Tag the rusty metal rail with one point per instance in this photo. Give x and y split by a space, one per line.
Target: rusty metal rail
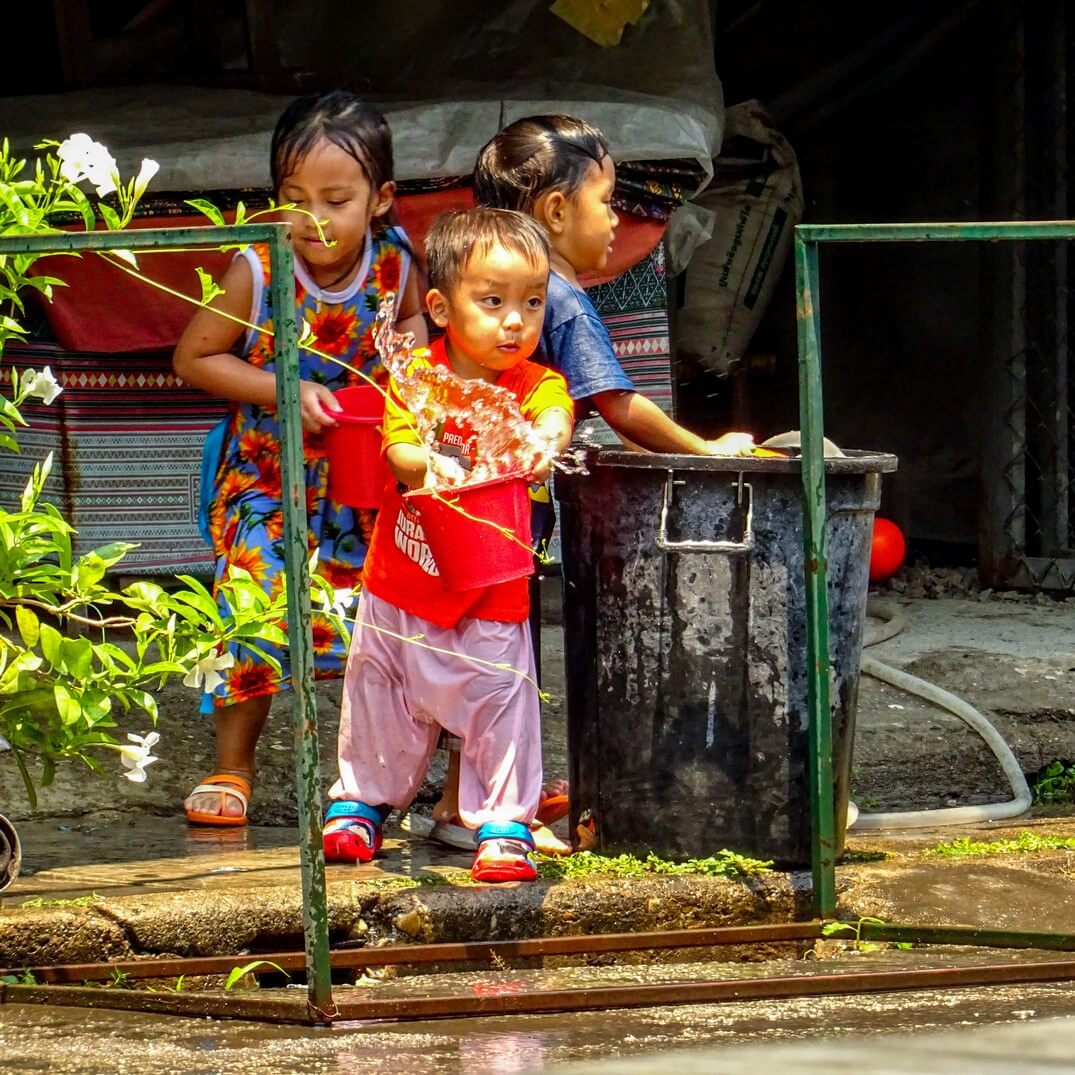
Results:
541 947
413 954
297 1011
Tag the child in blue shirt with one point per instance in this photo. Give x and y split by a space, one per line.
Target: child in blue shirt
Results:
559 171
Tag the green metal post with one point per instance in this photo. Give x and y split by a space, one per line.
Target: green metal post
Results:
296 565
300 642
823 844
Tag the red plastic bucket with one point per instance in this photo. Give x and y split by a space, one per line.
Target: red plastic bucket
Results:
356 472
472 553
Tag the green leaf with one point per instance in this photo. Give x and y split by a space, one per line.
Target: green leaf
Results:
51 644
67 706
146 701
19 212
91 566
113 656
29 626
147 595
78 658
208 209
238 973
25 661
96 705
200 601
84 207
210 289
110 216
45 283
161 668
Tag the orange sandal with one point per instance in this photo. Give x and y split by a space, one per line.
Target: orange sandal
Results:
552 808
226 785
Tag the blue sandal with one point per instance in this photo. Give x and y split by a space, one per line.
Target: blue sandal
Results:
505 852
352 832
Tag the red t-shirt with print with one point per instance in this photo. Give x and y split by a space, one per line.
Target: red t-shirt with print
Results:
400 567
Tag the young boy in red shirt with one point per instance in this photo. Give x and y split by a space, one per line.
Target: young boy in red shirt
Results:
473 672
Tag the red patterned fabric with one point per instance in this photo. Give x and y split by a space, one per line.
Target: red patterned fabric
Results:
105 310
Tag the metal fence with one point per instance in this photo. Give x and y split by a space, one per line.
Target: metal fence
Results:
1029 433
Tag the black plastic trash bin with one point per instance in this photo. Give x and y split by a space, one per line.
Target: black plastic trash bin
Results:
685 648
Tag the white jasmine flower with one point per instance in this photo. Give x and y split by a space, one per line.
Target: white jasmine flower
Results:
340 601
148 170
138 755
43 385
206 674
83 158
4 744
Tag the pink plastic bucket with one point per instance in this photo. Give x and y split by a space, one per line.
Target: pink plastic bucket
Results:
471 553
356 472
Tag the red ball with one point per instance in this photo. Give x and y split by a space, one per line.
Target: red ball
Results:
887 550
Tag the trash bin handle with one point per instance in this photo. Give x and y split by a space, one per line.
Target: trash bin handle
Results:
732 548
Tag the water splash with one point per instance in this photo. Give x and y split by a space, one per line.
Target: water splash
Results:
504 441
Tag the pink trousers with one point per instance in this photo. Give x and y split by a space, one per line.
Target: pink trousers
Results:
398 695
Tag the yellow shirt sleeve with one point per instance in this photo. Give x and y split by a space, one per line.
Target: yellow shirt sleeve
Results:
550 391
399 426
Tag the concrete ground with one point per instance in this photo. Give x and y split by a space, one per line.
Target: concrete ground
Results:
113 872
111 869
1000 1031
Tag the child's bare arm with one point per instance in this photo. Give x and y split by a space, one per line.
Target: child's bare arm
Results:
409 463
205 355
410 311
557 424
640 421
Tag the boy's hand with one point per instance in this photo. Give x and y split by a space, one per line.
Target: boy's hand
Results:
442 470
542 468
731 444
317 405
552 435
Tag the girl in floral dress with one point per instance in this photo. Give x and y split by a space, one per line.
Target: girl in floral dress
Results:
331 159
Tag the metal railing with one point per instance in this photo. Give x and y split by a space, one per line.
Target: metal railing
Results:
808 239
296 566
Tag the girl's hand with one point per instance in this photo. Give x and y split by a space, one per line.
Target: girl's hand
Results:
317 405
731 444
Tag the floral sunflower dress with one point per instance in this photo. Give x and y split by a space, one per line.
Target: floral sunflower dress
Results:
246 519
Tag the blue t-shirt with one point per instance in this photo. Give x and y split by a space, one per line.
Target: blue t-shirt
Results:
575 341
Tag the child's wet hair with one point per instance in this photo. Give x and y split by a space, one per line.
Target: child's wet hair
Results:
345 120
533 156
456 237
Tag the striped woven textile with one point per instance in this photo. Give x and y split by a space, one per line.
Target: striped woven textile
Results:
126 435
634 309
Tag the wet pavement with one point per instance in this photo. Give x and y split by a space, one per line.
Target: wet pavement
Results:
115 854
116 883
873 1031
